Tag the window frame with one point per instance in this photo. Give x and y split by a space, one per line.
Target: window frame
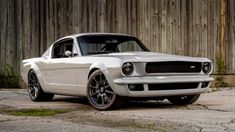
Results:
61 41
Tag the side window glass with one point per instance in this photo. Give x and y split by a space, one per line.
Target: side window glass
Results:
63 49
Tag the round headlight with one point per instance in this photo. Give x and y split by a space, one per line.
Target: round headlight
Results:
206 68
127 68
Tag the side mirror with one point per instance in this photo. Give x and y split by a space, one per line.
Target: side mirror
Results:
68 53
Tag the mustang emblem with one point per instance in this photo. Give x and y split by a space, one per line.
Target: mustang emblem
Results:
192 67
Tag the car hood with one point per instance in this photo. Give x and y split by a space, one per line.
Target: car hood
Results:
150 57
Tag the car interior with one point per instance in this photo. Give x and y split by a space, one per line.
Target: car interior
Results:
61 47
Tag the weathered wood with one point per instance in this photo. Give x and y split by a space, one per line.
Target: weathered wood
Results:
222 29
184 27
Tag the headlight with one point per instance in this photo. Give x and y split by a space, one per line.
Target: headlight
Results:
206 68
127 68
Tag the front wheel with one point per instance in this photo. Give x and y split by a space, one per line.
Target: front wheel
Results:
99 93
183 100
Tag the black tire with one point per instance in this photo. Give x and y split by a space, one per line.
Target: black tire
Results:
35 91
99 93
183 100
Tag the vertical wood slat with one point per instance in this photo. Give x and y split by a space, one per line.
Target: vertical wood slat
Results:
2 30
230 36
204 28
169 25
232 32
185 27
210 29
164 26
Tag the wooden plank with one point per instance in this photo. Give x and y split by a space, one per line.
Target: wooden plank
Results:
134 18
164 25
17 57
158 18
216 31
174 25
177 41
204 28
147 25
183 28
102 15
210 29
229 42
190 30
197 28
169 24
232 33
2 17
216 26
153 24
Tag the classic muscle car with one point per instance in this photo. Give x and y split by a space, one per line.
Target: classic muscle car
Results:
106 67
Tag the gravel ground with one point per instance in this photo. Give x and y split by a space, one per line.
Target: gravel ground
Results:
213 111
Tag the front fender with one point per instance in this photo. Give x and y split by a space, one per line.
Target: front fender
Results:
110 73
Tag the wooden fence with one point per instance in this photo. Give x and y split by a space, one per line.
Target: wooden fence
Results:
184 27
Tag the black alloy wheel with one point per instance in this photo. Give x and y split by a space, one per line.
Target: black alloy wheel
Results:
99 93
35 91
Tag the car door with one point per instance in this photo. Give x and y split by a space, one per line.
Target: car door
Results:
60 73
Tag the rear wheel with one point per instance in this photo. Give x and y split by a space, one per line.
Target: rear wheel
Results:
35 91
99 93
183 100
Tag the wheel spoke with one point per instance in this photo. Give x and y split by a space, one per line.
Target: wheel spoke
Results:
30 85
96 81
30 79
107 86
105 82
97 97
96 92
108 91
32 92
107 98
101 80
102 100
94 87
30 89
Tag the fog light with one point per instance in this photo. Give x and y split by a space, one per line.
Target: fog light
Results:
205 84
136 87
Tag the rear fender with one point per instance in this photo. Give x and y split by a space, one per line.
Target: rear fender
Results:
27 67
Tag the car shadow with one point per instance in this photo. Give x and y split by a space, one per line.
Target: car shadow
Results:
127 105
148 105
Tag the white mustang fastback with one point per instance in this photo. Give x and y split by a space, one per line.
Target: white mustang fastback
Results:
107 67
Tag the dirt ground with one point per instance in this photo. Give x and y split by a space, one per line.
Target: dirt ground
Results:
213 112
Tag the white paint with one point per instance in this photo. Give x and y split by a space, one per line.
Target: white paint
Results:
69 75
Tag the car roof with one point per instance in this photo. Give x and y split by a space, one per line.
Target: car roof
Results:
90 34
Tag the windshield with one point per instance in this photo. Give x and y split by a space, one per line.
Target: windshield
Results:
104 44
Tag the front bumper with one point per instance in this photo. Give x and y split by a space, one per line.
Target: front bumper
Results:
121 85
